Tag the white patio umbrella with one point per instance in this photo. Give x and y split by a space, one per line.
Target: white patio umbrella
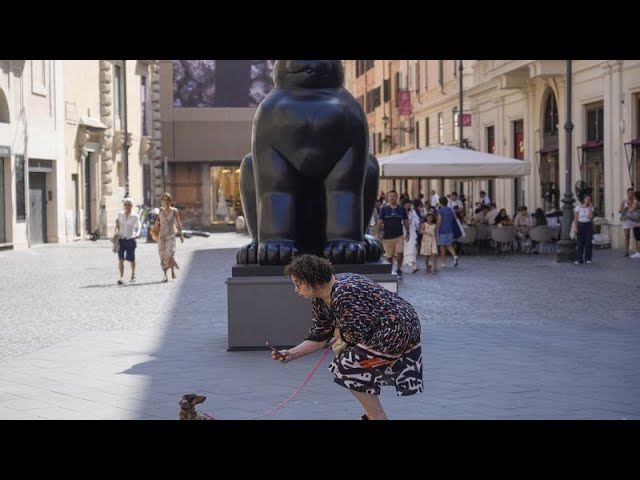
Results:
451 162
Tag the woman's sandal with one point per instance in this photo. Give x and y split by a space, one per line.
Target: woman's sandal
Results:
164 280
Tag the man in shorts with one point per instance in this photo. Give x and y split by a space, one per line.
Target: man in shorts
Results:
390 221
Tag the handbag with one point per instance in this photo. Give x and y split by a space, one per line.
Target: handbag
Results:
633 216
115 240
155 230
457 228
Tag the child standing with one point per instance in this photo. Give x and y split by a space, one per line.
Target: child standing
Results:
429 245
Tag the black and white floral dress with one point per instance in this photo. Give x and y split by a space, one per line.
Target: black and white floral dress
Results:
382 333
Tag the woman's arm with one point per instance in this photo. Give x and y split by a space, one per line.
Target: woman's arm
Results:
307 347
179 223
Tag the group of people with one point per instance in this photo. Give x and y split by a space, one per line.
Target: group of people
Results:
127 231
409 229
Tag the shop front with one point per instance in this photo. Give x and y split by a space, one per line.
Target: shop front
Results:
226 205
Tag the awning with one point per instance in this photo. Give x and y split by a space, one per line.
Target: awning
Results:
451 162
92 122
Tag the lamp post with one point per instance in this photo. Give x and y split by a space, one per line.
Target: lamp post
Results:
460 114
460 125
566 246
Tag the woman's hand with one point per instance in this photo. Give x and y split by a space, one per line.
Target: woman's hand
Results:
283 356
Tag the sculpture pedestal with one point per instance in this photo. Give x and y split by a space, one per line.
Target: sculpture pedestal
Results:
263 306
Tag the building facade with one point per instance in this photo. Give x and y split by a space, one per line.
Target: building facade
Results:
517 109
75 137
112 141
31 153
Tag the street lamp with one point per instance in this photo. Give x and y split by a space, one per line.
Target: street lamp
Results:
566 246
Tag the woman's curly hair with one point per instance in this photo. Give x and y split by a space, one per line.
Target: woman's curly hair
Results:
312 270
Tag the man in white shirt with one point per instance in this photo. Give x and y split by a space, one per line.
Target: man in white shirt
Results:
128 229
454 202
435 199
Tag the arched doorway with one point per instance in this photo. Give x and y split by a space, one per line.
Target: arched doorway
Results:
4 108
548 165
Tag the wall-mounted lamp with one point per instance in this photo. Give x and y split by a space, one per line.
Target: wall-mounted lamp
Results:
385 121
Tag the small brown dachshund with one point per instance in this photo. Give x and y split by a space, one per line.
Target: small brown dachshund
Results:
188 410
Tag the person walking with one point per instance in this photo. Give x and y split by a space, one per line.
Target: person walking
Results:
445 233
391 219
411 245
128 230
169 219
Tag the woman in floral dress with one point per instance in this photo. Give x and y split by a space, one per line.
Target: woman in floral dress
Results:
169 219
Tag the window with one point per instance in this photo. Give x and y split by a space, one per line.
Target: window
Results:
440 128
426 131
386 90
551 116
379 142
363 66
401 134
21 212
373 99
441 73
361 101
117 95
417 130
456 124
412 78
144 112
417 75
39 77
426 74
491 139
455 69
593 156
595 123
518 139
412 130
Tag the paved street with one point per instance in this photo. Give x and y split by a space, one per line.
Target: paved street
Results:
504 337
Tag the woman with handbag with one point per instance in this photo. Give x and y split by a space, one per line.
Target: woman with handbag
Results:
376 332
168 219
627 224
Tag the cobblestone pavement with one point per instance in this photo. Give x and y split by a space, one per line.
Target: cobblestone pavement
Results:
504 337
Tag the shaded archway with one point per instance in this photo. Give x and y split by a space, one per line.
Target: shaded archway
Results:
4 108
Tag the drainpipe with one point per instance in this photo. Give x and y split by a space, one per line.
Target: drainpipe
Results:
125 151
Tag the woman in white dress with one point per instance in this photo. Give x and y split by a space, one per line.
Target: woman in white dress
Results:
411 245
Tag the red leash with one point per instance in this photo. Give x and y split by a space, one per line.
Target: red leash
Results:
294 394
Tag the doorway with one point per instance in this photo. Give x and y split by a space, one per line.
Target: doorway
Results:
88 194
75 203
3 230
37 208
